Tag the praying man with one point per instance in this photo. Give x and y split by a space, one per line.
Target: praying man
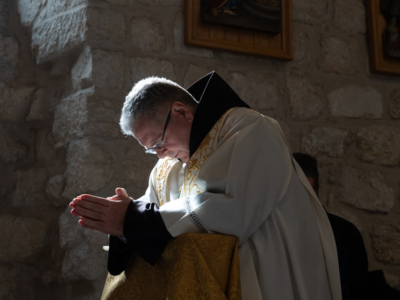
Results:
223 168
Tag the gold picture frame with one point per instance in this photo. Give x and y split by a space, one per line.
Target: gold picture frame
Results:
376 26
200 34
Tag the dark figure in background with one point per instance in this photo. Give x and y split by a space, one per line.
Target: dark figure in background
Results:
353 261
356 281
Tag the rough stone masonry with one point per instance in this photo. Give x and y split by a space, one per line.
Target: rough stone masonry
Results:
65 68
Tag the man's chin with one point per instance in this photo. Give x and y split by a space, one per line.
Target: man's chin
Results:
174 155
184 160
183 157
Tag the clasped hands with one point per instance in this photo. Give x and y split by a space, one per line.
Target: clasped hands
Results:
106 215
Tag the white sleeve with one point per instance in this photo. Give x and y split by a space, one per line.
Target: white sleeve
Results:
151 192
246 177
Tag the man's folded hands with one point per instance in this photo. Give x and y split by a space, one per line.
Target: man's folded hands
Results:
106 215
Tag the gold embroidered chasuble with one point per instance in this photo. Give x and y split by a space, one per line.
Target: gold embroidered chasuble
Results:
193 265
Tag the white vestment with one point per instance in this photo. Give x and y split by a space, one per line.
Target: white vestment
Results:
243 181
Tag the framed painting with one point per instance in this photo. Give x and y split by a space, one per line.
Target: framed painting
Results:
259 27
384 35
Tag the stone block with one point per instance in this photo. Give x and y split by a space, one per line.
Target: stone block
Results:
8 286
105 25
354 101
9 50
67 32
392 279
21 238
305 102
70 232
339 56
37 110
86 114
61 6
86 260
61 67
177 3
147 34
385 242
8 273
365 190
379 145
113 62
194 73
14 102
85 263
330 200
233 58
90 68
308 12
119 2
30 189
300 45
59 35
350 16
11 151
143 67
4 11
81 72
45 147
331 176
181 48
92 290
8 290
394 104
137 166
54 188
29 10
257 89
327 141
89 168
49 277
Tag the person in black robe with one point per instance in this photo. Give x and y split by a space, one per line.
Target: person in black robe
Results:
353 261
356 281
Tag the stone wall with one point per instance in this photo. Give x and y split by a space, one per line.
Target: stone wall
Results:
65 67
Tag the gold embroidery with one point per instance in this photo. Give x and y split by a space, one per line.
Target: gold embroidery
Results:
192 266
190 186
161 178
206 148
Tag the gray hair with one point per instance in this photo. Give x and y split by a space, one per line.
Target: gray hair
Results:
152 97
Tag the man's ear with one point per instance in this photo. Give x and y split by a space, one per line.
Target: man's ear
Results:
182 110
311 181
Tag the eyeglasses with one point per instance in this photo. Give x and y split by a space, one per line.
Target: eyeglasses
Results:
161 143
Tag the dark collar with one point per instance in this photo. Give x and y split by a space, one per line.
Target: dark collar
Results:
215 97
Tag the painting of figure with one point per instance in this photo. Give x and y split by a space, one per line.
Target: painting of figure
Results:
227 6
264 15
391 37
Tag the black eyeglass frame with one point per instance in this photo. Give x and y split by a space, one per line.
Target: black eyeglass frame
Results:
161 143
